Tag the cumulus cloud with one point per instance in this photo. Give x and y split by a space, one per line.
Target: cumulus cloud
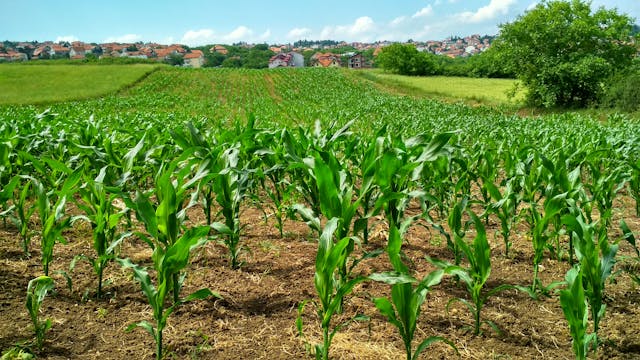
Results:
488 12
298 33
128 38
398 21
361 30
425 11
66 38
210 36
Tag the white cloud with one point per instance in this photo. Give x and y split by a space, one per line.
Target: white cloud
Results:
298 33
532 6
265 35
66 38
128 38
210 36
487 12
196 36
361 30
398 21
425 11
241 33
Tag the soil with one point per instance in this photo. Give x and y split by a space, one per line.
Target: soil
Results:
256 317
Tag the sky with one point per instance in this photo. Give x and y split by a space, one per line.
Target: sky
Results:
202 22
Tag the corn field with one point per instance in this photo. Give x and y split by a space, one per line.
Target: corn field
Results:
300 214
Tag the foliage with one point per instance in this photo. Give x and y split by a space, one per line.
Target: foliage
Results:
562 51
330 292
623 90
576 312
476 275
168 263
596 258
51 210
403 310
174 60
98 204
36 292
406 60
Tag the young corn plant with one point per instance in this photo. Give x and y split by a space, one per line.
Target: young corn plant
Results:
506 209
576 312
457 228
169 263
337 199
603 188
51 210
36 292
22 209
104 217
402 310
164 220
596 257
399 167
232 184
330 291
272 175
540 235
476 275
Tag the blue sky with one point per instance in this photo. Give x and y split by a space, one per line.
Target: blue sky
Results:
200 22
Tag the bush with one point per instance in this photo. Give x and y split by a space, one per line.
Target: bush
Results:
623 91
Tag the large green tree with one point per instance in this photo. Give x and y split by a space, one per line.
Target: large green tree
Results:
562 51
405 59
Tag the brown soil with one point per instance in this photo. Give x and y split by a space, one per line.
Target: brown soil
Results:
256 317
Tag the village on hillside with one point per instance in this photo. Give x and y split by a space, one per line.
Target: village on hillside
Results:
299 54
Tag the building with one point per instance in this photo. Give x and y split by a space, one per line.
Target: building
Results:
291 59
194 59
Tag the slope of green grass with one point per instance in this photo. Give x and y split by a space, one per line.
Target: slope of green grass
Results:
472 90
41 84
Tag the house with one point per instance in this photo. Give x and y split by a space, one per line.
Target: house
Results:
219 49
357 61
77 52
11 55
41 52
59 51
292 59
194 59
325 60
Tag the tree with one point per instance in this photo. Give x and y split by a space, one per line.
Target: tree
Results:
562 51
175 60
406 60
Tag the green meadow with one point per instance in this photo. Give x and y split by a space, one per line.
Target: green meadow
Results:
41 84
472 90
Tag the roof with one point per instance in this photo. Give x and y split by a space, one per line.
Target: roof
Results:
194 54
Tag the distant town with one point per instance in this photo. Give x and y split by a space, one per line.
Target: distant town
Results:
324 53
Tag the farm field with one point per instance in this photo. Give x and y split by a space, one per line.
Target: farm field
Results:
472 90
238 179
54 83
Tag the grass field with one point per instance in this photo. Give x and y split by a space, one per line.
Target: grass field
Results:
40 84
472 90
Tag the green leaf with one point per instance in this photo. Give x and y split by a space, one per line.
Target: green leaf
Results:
392 277
142 324
430 340
200 295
